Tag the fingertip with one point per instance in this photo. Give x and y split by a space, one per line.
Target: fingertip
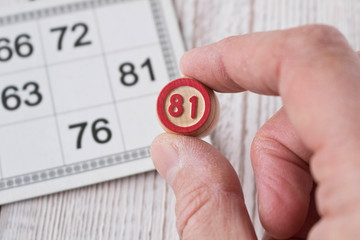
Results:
170 152
182 63
165 156
206 64
175 155
189 63
161 138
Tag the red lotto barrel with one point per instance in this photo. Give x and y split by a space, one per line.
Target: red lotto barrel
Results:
187 107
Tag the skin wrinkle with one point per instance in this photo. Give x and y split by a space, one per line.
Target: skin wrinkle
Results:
193 156
269 210
225 81
231 208
280 132
281 172
184 214
206 181
269 87
228 203
208 174
272 146
279 179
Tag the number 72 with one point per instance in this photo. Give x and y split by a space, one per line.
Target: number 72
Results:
79 42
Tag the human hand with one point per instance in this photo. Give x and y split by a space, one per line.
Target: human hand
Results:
314 138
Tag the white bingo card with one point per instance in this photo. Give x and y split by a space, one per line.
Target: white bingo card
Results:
78 86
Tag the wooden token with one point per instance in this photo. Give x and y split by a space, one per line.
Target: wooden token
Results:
187 107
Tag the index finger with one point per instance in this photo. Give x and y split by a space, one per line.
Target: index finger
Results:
312 68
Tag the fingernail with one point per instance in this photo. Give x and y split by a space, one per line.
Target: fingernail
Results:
183 62
166 160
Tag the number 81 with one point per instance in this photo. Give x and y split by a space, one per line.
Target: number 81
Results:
176 103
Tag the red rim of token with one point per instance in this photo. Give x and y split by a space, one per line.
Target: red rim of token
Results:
170 87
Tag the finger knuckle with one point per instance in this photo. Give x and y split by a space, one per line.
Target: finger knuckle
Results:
338 195
323 194
339 227
220 70
263 144
321 230
308 38
320 34
257 146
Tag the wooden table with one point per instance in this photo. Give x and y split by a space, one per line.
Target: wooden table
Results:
142 206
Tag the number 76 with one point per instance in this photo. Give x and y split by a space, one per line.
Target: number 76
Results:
95 130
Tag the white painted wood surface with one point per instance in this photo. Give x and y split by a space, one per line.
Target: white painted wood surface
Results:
142 206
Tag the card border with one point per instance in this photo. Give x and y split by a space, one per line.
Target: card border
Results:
170 56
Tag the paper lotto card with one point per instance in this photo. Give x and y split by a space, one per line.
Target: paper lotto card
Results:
78 85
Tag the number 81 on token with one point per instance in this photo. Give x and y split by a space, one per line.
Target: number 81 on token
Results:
187 107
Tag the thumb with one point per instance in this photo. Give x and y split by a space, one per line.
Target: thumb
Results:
209 199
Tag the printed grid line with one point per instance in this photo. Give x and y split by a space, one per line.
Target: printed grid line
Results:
79 59
51 92
103 55
77 110
101 162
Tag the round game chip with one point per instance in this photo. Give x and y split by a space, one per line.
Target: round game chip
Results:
187 107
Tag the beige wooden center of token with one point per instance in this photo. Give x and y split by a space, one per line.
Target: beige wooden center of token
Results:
185 120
